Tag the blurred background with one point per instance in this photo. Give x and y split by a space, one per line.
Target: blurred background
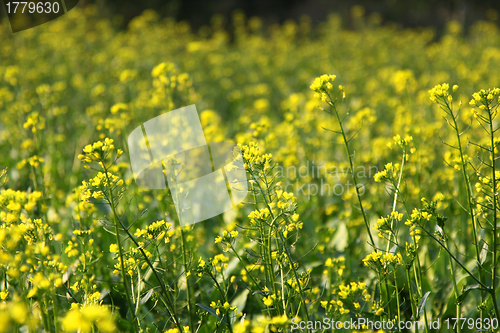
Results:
406 13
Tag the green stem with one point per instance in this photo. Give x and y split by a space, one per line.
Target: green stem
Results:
351 165
455 289
396 199
485 287
469 194
397 298
412 301
46 321
168 302
245 267
188 285
270 265
292 264
418 280
495 236
384 293
261 232
184 260
120 253
224 298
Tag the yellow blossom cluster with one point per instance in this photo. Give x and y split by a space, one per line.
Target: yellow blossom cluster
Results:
157 230
381 262
323 86
99 151
220 307
390 172
88 318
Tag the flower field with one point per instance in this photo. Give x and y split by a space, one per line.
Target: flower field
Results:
373 188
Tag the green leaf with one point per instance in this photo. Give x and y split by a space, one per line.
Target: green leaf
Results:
146 297
465 291
341 237
241 300
211 311
484 253
421 305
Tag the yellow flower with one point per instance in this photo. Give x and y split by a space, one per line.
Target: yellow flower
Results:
113 248
241 327
172 330
201 262
268 301
18 312
83 319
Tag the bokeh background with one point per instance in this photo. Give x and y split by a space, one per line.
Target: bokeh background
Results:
406 13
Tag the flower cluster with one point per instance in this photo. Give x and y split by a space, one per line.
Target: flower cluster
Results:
99 151
350 298
440 93
337 263
99 186
16 314
220 307
34 122
157 230
487 100
134 260
390 172
253 157
87 318
227 238
334 306
386 225
381 262
323 87
215 265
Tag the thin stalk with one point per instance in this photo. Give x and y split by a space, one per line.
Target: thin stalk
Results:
384 293
351 165
397 298
168 302
54 313
455 289
495 236
418 280
184 259
412 302
396 198
292 264
283 290
270 264
392 233
224 298
45 319
485 287
245 267
261 232
120 253
188 286
469 195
